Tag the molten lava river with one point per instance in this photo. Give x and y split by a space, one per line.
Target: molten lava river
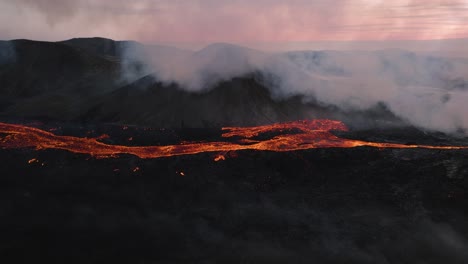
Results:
297 135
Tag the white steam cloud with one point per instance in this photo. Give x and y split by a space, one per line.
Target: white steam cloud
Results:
429 91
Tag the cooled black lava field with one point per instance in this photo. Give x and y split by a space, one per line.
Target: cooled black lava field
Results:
121 152
334 205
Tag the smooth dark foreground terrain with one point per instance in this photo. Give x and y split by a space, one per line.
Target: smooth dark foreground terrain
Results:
358 205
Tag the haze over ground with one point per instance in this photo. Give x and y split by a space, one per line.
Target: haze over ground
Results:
208 21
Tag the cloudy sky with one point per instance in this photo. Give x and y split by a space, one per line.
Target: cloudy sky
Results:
239 21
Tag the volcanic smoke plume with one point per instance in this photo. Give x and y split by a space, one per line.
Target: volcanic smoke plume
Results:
428 91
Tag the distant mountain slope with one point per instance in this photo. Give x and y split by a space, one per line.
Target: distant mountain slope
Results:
242 101
113 49
40 67
96 79
98 46
54 75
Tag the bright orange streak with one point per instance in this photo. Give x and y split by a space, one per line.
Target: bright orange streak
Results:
219 157
297 135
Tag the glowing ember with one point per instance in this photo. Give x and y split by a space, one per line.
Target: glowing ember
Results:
32 160
219 157
298 135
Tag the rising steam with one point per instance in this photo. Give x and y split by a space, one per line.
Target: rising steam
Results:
428 91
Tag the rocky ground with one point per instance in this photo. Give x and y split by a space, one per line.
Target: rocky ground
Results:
361 205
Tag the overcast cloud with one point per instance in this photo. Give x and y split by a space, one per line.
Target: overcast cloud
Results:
234 20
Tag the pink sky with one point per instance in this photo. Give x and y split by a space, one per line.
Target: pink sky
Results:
153 21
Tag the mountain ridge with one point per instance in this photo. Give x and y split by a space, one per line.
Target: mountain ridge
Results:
78 78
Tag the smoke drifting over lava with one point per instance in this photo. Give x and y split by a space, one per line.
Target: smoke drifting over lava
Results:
427 91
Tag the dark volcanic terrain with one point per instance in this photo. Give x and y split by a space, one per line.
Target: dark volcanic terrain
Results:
85 80
335 205
360 205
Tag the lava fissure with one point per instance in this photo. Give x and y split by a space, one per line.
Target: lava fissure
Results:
313 134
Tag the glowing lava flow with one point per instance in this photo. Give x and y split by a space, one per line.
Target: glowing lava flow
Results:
298 135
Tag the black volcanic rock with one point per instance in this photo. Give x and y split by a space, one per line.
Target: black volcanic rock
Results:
43 67
82 79
116 50
52 79
359 205
242 101
337 205
99 46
